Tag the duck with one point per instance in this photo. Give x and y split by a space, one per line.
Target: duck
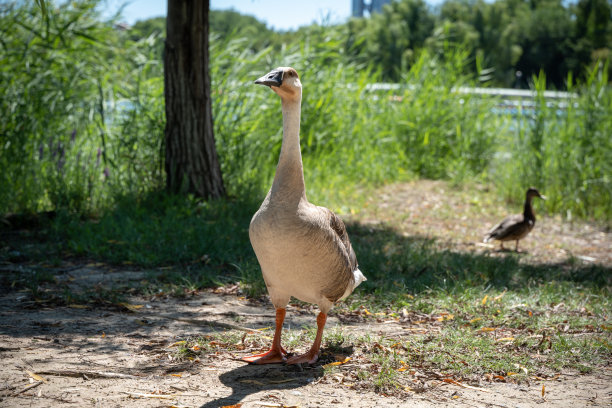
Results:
303 249
516 227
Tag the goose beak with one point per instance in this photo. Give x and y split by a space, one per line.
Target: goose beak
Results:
272 78
542 196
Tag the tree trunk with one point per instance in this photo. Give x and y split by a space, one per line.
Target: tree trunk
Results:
192 164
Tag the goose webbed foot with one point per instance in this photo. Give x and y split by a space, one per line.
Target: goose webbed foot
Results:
312 355
271 356
276 354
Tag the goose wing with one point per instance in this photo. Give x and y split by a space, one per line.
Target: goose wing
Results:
337 225
342 275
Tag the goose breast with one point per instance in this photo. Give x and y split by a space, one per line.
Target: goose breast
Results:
301 253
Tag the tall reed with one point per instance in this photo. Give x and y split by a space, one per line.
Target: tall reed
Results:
81 109
565 149
82 120
350 133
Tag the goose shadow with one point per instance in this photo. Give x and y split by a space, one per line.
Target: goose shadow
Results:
249 379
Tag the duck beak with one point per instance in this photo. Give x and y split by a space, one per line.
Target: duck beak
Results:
272 78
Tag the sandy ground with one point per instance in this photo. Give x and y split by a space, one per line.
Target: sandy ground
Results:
106 358
125 356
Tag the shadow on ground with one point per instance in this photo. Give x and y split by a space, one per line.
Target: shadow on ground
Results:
394 263
79 315
251 379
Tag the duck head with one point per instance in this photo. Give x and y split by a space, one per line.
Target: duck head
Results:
285 81
532 192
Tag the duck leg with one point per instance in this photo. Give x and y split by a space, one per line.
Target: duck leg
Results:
312 355
277 353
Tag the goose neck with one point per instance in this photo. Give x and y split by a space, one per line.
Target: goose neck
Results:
289 179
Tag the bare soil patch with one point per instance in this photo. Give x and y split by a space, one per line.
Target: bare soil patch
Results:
115 358
124 355
458 219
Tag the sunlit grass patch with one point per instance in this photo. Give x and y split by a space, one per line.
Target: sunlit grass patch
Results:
455 343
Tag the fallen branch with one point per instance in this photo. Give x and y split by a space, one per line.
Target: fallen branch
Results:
202 322
451 381
91 374
29 387
139 395
234 314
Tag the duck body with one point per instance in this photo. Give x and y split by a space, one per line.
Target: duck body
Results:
516 227
512 228
303 249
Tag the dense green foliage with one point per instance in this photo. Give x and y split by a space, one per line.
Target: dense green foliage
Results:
566 151
82 115
502 38
67 136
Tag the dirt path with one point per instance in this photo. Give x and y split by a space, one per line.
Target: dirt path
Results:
126 356
107 358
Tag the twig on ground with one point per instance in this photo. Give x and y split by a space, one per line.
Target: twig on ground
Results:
29 387
451 381
90 374
202 322
234 314
139 395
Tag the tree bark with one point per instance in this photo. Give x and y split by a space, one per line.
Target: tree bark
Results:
192 165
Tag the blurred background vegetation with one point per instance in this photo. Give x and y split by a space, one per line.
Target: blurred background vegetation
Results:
82 103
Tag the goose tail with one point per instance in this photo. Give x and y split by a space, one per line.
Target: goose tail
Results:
358 277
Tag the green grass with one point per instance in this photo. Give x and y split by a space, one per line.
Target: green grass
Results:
563 150
552 317
195 244
405 363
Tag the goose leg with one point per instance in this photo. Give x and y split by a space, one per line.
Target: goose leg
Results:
516 248
277 353
312 355
501 246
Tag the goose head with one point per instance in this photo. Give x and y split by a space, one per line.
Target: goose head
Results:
532 192
285 81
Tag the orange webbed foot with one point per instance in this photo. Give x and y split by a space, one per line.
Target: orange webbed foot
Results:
309 358
269 357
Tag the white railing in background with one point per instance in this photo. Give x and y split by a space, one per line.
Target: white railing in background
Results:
510 98
507 92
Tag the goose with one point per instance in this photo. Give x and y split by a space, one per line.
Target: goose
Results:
303 250
516 227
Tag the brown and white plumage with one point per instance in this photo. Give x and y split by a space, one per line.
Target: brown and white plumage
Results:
303 249
516 227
